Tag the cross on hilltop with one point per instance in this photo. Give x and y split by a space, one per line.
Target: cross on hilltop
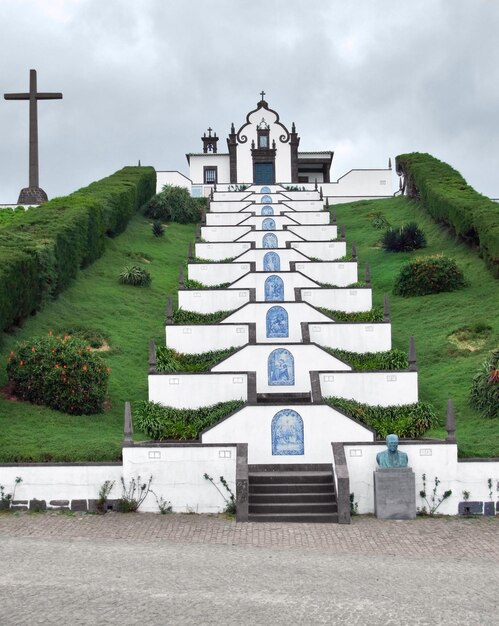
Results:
33 194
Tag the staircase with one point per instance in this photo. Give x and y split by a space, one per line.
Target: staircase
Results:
292 493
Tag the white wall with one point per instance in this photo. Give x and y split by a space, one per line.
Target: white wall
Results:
309 217
172 178
217 273
212 300
220 251
285 254
279 220
315 232
191 391
229 219
231 196
204 338
354 337
256 358
430 458
302 195
282 236
257 280
341 299
297 312
223 233
324 250
305 205
178 475
374 388
228 206
341 273
197 163
321 426
361 183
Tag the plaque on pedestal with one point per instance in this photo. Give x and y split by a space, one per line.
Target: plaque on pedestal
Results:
394 493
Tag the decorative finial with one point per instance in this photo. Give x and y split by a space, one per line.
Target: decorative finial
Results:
342 231
333 214
127 425
320 194
181 283
190 254
327 202
203 216
386 309
273 144
450 423
354 251
293 128
412 355
198 232
138 163
389 163
209 131
367 275
169 310
262 93
152 357
316 184
232 129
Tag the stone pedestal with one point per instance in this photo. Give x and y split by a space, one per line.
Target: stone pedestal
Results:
32 195
395 493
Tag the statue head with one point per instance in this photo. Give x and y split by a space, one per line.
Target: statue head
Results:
392 442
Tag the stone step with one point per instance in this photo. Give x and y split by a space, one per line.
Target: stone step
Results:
293 507
260 478
327 497
278 488
308 518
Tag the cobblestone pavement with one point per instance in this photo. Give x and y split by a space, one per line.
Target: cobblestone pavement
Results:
190 569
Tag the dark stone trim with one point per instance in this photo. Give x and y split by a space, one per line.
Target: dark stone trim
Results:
305 332
251 332
252 396
242 482
316 388
298 297
291 467
342 481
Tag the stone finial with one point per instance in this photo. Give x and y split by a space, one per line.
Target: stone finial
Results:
321 196
333 215
181 283
386 309
389 163
252 144
412 355
273 144
342 231
138 165
152 357
450 423
211 194
316 187
169 310
198 232
293 128
232 129
354 251
327 202
127 425
367 275
214 186
203 216
190 254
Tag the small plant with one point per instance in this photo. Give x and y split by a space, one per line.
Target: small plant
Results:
434 500
404 239
484 393
378 220
432 274
164 506
354 505
181 316
61 372
158 230
489 485
104 492
133 495
237 187
466 495
6 499
372 361
135 275
230 501
168 360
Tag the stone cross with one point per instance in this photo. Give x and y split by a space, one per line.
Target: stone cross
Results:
262 93
33 194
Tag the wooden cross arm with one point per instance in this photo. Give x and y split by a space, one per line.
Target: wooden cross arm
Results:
39 96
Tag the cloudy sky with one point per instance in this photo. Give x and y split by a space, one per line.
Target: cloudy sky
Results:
142 80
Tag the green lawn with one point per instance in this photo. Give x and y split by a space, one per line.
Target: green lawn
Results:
128 317
444 370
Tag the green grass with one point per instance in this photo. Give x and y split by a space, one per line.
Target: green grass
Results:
444 370
127 317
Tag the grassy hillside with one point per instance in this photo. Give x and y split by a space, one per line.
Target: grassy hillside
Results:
445 369
127 317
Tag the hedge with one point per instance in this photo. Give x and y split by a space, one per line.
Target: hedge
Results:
42 250
450 200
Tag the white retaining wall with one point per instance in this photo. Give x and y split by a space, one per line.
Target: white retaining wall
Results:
369 182
229 207
375 388
430 458
212 300
313 232
229 219
348 300
309 217
341 273
290 280
205 338
305 205
280 220
282 236
323 250
220 251
211 274
223 233
172 178
354 337
191 391
285 254
321 426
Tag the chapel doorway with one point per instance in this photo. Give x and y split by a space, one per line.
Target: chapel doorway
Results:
264 173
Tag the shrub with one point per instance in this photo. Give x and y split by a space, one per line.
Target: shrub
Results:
372 361
135 275
158 230
404 239
484 394
378 220
60 372
450 200
409 420
168 360
181 316
427 275
374 315
166 422
174 204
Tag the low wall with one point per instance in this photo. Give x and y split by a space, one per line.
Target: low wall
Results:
195 339
280 221
315 232
354 337
309 217
375 388
172 178
191 391
212 300
232 219
305 205
223 233
211 274
435 459
340 273
361 182
220 251
256 280
282 237
286 255
341 299
323 250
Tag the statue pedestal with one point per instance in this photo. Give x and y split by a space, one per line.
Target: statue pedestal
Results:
394 493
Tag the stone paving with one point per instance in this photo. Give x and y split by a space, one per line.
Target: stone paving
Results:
190 569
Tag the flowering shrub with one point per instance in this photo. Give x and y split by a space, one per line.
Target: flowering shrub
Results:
60 372
431 274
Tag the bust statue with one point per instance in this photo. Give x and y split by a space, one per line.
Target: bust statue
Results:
391 457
